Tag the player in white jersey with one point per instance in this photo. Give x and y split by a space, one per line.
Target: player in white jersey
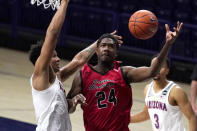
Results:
49 97
165 104
193 90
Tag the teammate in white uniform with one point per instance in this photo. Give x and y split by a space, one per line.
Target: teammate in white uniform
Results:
165 105
51 108
49 97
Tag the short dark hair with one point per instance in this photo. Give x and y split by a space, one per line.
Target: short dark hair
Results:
107 35
167 60
34 52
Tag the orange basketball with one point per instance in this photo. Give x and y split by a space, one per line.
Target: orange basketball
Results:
143 24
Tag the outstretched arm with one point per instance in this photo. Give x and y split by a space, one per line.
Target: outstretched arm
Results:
193 93
81 58
193 90
78 61
141 116
143 73
182 101
41 70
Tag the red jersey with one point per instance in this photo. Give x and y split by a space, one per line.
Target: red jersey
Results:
109 100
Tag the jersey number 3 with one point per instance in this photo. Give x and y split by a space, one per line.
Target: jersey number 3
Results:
102 96
156 121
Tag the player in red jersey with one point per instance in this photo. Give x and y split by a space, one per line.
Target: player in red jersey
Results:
106 85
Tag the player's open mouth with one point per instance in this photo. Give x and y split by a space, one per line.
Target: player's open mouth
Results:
58 65
106 54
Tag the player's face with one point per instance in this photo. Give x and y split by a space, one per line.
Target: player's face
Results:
106 50
55 62
163 72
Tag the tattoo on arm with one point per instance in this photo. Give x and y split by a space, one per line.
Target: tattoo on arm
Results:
90 52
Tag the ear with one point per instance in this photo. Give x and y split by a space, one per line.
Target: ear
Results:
167 71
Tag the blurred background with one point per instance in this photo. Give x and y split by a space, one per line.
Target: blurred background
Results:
23 24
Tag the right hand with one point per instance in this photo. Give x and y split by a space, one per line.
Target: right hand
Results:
79 99
172 35
119 38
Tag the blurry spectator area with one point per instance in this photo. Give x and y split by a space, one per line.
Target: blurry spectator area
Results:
22 24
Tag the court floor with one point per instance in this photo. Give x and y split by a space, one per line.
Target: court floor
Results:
16 99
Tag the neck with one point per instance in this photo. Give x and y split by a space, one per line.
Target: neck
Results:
160 84
52 75
104 67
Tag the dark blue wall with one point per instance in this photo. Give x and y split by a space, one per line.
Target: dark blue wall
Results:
22 24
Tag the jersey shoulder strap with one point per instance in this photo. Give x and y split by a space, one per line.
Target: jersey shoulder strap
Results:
149 91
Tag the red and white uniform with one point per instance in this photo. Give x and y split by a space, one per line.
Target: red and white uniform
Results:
109 100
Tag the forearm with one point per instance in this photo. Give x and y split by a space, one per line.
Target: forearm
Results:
157 63
192 123
193 92
52 36
84 56
58 19
53 32
139 117
71 106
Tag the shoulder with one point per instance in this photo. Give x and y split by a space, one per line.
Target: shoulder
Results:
146 89
177 89
125 70
178 93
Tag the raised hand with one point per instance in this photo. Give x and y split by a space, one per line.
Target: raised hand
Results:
171 36
119 38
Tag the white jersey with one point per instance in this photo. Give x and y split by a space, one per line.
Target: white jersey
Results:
164 117
51 108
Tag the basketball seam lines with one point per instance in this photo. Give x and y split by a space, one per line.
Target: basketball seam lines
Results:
134 24
144 16
142 22
142 30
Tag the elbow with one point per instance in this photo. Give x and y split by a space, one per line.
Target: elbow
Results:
81 63
153 73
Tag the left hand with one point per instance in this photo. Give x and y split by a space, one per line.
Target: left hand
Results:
171 36
119 38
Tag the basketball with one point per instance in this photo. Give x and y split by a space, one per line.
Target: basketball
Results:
143 24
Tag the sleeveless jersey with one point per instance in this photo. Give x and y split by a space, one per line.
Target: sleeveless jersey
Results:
51 108
164 117
109 100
